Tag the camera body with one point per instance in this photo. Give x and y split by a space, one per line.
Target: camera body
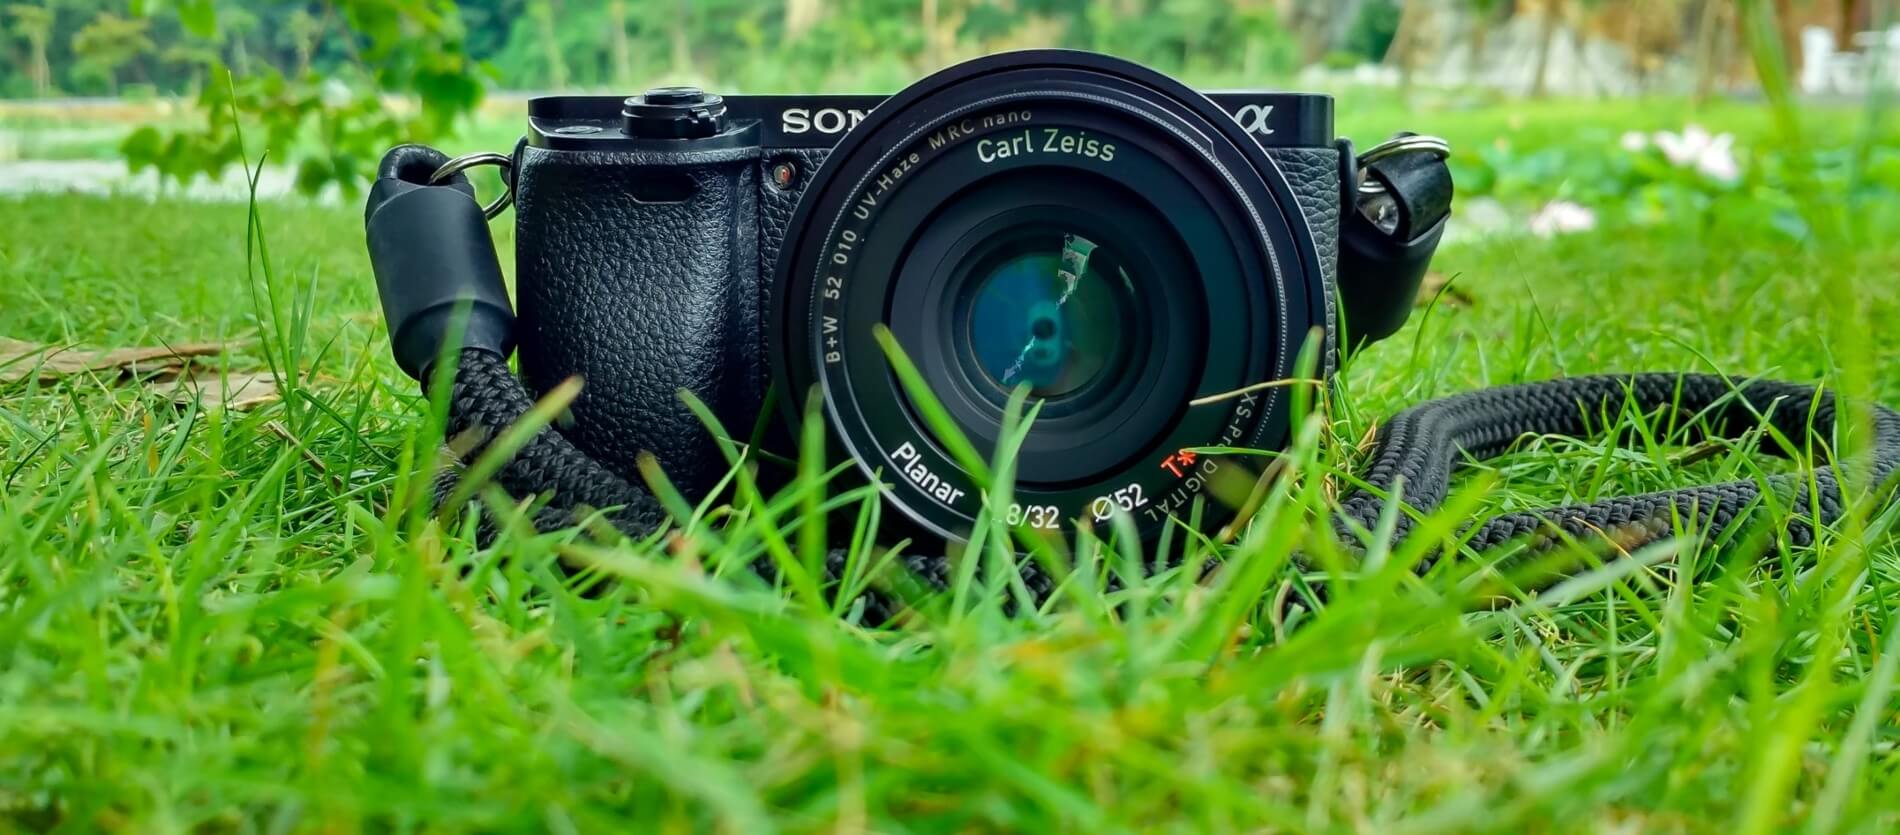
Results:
655 244
644 264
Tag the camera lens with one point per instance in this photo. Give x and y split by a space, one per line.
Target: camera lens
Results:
1069 224
1005 283
1053 313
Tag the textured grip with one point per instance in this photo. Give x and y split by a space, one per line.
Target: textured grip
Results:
638 272
1313 174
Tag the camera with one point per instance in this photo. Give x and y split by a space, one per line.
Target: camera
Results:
1153 265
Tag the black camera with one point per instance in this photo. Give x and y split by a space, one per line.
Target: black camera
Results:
1149 262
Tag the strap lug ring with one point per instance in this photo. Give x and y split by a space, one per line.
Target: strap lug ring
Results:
467 161
1397 145
1406 144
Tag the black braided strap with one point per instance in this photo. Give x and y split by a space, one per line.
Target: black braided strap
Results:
1416 454
486 398
1420 447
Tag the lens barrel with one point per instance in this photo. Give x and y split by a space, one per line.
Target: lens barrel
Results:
1071 224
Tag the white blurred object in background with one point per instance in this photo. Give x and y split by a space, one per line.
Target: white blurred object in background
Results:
1826 69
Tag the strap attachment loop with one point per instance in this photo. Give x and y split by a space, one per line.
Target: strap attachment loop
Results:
466 161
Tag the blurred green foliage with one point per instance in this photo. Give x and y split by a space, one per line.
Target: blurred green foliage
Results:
331 83
1374 29
1650 182
96 47
406 74
338 80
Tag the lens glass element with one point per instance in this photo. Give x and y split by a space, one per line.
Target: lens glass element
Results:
1054 311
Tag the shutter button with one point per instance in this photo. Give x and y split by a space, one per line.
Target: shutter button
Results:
673 113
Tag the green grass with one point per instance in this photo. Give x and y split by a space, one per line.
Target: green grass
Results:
246 622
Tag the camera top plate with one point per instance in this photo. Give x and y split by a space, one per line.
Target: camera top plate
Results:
1274 119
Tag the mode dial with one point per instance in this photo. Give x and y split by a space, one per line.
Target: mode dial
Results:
673 113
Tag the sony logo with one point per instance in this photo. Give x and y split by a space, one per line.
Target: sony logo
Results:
833 120
829 120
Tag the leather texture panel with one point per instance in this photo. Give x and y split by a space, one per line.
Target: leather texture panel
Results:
641 300
1313 173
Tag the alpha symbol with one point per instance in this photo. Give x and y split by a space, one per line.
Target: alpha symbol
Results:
1253 118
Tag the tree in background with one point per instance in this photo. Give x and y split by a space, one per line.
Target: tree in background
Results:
1853 16
543 13
1373 30
622 47
936 35
235 26
679 34
1716 19
34 25
802 15
302 30
1408 40
776 45
1485 14
1549 25
335 81
1351 25
109 44
411 51
192 56
1652 32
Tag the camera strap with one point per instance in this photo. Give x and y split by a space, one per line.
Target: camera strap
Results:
439 280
